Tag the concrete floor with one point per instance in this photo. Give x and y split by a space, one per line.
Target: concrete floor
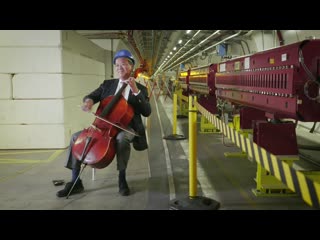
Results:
156 176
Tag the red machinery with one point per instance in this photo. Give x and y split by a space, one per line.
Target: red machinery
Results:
272 85
201 80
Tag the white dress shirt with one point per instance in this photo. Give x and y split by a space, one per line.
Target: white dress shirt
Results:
125 92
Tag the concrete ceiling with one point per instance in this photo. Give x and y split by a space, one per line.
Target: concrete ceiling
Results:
154 46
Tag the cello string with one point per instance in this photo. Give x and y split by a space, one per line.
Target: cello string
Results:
133 133
115 125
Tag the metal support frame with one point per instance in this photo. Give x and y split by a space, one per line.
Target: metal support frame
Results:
206 126
270 186
304 184
235 124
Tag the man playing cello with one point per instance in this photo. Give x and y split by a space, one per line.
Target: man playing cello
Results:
137 97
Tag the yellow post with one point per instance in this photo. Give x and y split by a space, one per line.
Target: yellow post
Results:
180 101
193 202
174 136
192 147
174 127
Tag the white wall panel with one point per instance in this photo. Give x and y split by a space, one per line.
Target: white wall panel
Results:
51 72
45 112
80 85
32 111
263 41
79 44
33 136
75 116
44 86
106 43
30 38
292 36
30 60
5 86
35 86
77 64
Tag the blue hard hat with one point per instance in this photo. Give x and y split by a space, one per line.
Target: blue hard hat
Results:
123 53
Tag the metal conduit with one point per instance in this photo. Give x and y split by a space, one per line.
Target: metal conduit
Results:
177 51
227 38
182 48
216 32
152 47
134 45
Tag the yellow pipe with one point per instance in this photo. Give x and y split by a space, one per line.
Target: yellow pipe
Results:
180 101
192 147
174 127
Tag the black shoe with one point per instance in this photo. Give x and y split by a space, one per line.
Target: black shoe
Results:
124 191
123 188
78 188
123 185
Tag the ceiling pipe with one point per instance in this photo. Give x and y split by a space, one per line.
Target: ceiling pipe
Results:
165 64
134 45
120 35
157 46
143 63
162 45
248 34
227 38
152 46
164 38
152 54
106 35
198 45
280 37
160 67
245 42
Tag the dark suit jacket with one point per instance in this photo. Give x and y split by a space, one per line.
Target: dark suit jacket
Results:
139 103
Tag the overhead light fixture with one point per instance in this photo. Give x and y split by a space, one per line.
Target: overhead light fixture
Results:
175 48
188 31
180 41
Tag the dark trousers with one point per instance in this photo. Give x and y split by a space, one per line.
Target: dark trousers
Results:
123 149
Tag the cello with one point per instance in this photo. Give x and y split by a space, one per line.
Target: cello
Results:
95 145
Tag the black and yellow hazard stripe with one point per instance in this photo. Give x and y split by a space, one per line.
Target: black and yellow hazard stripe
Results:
296 181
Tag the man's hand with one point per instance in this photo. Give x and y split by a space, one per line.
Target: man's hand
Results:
87 105
133 85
